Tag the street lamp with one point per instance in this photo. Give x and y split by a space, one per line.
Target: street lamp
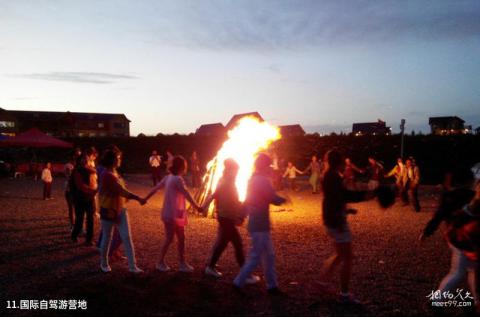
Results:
402 130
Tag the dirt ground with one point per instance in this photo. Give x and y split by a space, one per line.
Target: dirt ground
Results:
393 273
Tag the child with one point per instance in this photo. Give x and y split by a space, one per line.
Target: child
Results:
291 172
229 215
174 214
260 194
47 182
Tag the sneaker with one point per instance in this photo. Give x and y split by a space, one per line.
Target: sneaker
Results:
252 279
162 267
105 269
185 268
212 272
136 270
348 299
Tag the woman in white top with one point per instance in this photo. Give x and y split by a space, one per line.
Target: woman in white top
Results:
291 172
174 214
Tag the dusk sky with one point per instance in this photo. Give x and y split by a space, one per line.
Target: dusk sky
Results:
171 66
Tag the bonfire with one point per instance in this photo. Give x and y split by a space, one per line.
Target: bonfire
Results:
245 141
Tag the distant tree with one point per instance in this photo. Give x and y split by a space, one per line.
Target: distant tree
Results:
141 135
413 132
160 134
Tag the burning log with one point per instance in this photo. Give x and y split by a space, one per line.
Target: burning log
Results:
244 142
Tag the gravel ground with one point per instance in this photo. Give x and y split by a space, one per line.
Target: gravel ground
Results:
393 273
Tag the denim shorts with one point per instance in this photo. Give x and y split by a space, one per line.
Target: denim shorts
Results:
340 236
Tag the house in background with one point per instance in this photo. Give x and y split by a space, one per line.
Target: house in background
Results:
8 123
371 128
291 130
234 120
212 129
65 124
220 129
477 131
447 125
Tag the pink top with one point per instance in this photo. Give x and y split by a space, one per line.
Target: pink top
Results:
174 204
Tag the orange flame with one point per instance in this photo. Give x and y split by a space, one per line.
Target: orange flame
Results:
245 141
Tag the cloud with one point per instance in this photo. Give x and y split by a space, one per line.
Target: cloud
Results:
272 25
416 113
77 77
274 68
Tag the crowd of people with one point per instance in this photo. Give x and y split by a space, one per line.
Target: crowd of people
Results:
90 176
406 174
160 167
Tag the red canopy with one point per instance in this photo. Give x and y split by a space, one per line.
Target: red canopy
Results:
36 139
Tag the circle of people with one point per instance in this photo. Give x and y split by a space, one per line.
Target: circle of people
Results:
459 209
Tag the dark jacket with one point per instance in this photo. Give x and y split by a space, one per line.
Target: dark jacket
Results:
81 186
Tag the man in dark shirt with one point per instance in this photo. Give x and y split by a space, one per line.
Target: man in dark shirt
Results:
84 189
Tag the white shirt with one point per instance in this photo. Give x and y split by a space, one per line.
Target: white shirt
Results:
47 175
155 160
291 172
275 164
174 202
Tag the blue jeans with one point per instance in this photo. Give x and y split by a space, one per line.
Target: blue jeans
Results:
125 235
459 268
116 241
261 251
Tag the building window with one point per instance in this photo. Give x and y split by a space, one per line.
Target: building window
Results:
119 125
7 124
101 125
